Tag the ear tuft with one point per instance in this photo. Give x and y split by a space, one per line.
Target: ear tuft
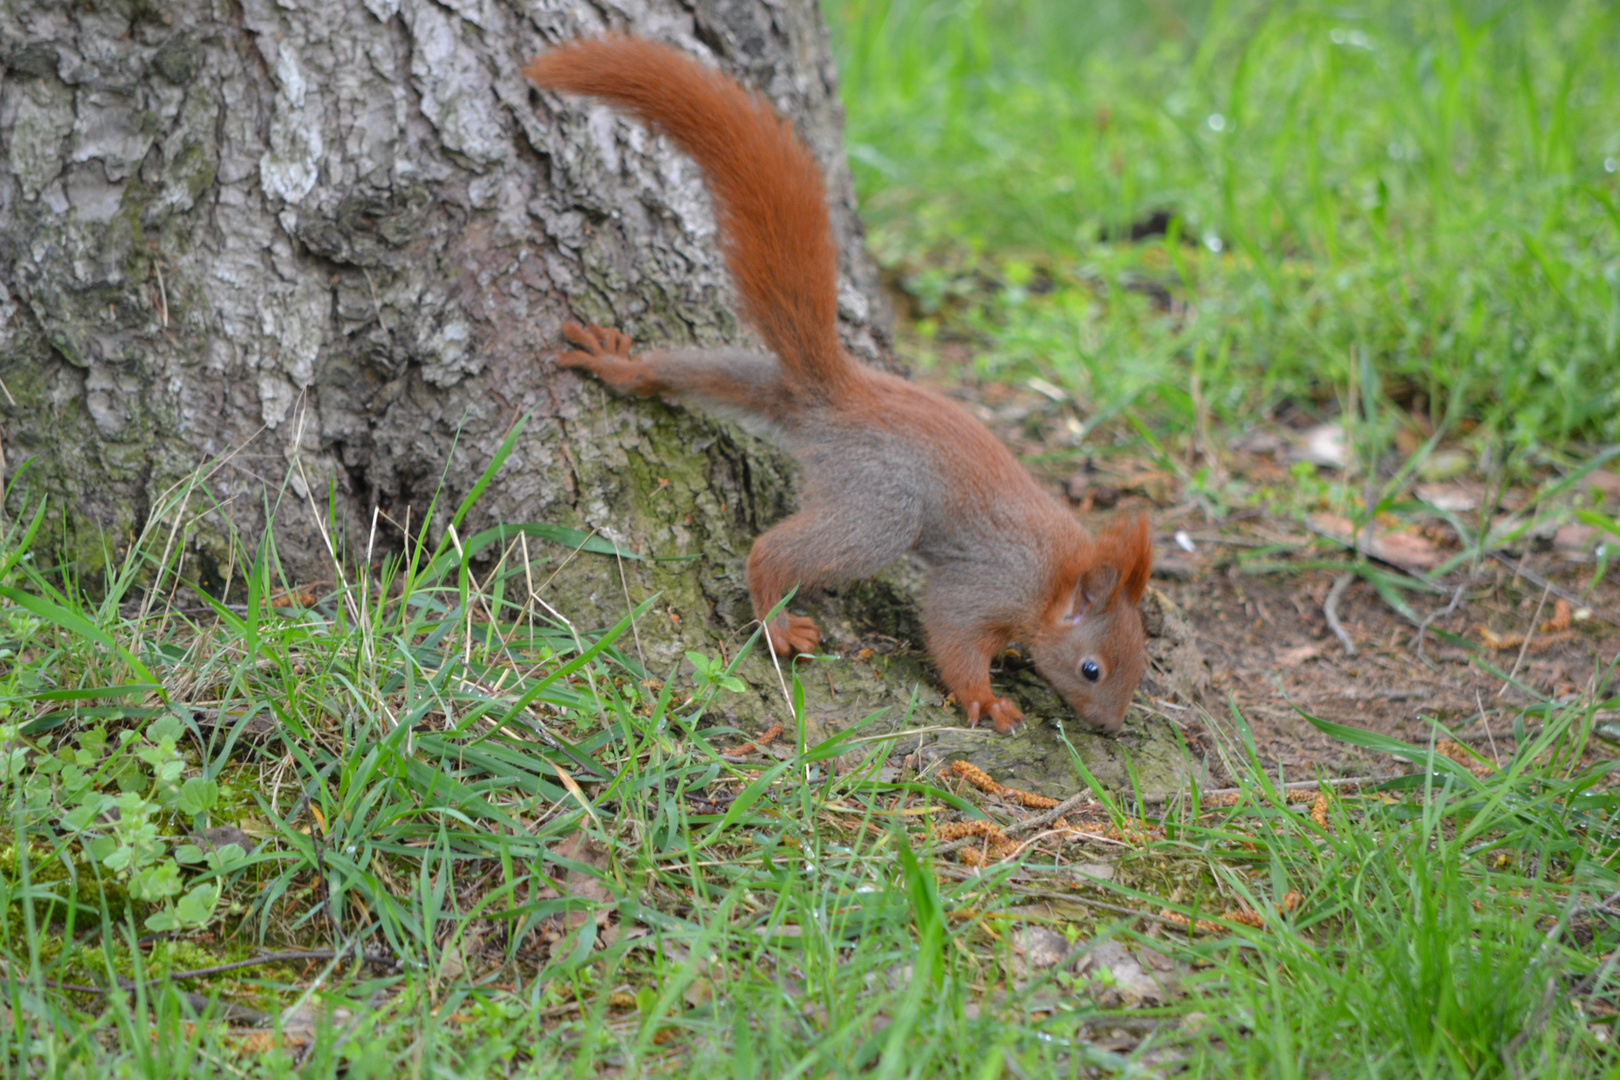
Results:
1127 545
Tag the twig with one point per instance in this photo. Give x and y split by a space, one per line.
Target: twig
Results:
1485 722
1441 613
1524 646
1046 817
1330 610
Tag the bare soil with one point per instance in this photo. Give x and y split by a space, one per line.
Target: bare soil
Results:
1274 657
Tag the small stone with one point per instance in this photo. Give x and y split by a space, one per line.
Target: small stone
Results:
1573 538
217 837
1035 948
1324 445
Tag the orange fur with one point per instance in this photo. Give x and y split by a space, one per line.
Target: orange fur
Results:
888 467
769 201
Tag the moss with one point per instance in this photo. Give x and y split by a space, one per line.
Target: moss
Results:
30 60
127 233
60 881
178 60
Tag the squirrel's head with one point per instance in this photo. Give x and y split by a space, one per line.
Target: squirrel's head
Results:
1090 643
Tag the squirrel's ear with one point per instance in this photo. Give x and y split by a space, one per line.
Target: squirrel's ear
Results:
1095 593
1138 560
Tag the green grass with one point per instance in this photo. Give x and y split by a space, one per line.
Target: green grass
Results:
554 871
1432 186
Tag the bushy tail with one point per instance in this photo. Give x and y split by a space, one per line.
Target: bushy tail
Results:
768 196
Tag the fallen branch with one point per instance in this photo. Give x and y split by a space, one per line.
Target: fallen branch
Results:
1330 610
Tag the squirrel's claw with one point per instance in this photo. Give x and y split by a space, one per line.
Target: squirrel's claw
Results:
793 634
1003 713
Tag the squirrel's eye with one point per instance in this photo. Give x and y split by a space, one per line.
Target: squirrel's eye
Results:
1090 671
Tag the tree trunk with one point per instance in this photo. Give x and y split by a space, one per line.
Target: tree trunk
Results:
320 251
339 241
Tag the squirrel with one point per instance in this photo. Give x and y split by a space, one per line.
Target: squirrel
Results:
887 466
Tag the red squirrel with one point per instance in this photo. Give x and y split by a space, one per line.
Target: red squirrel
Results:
887 466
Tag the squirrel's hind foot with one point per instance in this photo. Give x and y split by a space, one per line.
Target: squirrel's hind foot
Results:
793 634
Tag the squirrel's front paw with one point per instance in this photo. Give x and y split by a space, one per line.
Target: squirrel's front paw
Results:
598 347
793 634
1003 713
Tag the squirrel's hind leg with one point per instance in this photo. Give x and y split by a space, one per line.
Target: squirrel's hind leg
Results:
822 545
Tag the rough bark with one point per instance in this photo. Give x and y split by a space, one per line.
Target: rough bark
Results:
321 251
342 237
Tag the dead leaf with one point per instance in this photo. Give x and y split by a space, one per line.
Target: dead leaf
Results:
1406 549
1159 487
1152 958
1084 486
1453 498
1604 481
762 740
576 791
582 884
299 1026
785 930
1465 757
1574 538
698 993
1399 547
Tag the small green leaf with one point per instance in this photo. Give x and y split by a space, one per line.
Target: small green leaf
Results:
227 858
157 882
165 729
162 921
197 906
189 854
197 796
